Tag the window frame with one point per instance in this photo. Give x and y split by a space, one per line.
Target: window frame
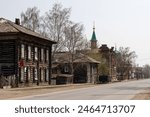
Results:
36 53
29 53
42 54
22 51
47 55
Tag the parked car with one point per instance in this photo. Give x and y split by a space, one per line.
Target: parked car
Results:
104 79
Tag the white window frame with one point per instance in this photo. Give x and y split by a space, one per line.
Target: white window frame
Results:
22 50
29 73
35 74
36 53
29 52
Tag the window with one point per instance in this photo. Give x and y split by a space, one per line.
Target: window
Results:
66 69
36 53
22 51
47 55
22 74
29 73
42 54
26 74
29 52
45 79
35 74
42 74
47 74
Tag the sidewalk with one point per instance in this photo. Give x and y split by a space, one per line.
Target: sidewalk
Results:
51 86
26 91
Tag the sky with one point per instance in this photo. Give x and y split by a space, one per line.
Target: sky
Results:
120 23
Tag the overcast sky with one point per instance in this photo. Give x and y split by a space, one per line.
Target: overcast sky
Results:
118 22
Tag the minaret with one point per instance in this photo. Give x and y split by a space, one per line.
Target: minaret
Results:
93 39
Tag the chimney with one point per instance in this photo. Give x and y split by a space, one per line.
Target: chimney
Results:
17 21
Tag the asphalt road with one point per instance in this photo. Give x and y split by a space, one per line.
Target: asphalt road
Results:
125 90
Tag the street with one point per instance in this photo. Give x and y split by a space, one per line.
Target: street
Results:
125 90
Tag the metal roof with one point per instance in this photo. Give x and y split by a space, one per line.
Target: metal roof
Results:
7 26
65 57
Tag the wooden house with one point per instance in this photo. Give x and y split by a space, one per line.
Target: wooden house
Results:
25 56
85 68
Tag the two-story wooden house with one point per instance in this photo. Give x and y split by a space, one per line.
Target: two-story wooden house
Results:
25 56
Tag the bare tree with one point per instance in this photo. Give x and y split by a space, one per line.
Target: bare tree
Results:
55 22
146 71
125 60
31 19
54 25
74 40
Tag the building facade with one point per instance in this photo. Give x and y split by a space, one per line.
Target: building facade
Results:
25 56
106 53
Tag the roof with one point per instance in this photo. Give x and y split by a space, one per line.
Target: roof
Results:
7 26
65 57
85 59
104 47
